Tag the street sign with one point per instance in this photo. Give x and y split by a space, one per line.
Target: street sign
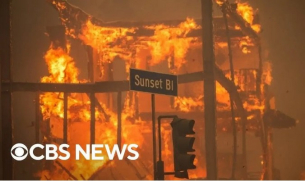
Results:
152 82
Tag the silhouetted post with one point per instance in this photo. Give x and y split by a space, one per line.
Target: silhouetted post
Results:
153 119
6 97
90 64
92 123
38 118
119 129
209 88
65 127
231 99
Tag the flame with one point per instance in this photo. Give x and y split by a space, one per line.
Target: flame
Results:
62 70
169 44
111 42
245 43
247 12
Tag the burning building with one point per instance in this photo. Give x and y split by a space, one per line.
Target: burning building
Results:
102 109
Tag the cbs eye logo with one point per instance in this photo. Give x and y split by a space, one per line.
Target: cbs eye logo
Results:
19 152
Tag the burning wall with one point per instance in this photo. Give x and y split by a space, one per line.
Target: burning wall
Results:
159 47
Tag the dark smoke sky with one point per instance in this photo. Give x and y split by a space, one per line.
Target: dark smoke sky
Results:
284 28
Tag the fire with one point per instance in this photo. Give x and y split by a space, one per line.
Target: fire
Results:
62 70
169 44
247 12
245 43
61 67
111 42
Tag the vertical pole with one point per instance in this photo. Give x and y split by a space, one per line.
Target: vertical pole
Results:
119 109
153 118
136 105
172 69
90 64
92 125
260 71
65 127
264 128
231 100
110 78
6 97
269 136
209 88
244 137
38 118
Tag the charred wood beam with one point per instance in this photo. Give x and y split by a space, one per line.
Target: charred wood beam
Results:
220 114
119 124
223 121
6 97
95 175
57 36
91 78
106 86
219 33
244 26
38 118
191 77
92 118
100 87
117 86
77 18
232 90
66 170
90 63
277 119
65 125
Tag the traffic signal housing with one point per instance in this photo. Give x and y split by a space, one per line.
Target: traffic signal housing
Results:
182 144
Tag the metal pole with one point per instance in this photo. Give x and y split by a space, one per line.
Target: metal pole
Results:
154 133
159 132
65 127
119 109
38 118
92 125
6 97
231 100
209 88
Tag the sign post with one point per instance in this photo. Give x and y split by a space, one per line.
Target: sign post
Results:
153 121
154 83
209 89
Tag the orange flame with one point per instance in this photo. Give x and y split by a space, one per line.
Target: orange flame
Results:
247 12
169 44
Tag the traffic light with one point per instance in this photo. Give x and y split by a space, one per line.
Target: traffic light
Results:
183 144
